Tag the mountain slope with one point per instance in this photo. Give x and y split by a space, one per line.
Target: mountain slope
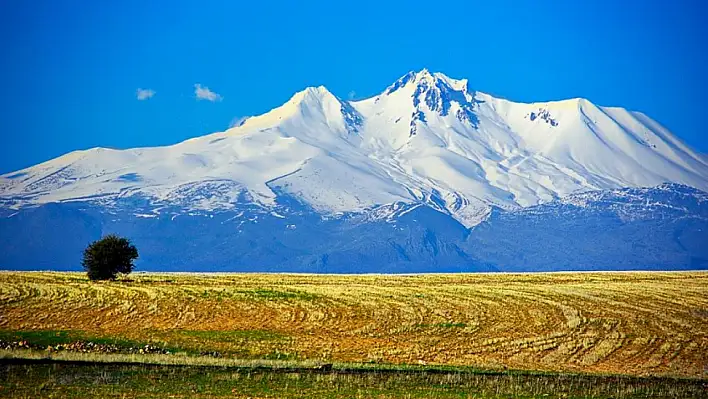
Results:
426 139
428 176
662 228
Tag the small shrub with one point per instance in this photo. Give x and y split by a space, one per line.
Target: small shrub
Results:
105 258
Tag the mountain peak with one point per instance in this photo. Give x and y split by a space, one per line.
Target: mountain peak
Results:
311 99
422 77
439 92
311 93
425 75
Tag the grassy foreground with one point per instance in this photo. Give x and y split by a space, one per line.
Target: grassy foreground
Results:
157 381
387 336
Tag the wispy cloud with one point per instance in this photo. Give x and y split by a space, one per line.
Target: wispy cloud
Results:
144 94
352 95
203 93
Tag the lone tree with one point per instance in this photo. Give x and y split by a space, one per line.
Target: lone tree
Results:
105 258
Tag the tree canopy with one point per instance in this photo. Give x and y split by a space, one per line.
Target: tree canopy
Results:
104 259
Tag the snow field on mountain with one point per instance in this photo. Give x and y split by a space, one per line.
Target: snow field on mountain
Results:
427 138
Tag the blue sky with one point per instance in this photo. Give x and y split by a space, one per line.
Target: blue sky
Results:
71 69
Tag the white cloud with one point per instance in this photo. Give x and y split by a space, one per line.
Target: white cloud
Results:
203 93
144 94
352 95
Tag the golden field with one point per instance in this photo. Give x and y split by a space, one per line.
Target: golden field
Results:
628 323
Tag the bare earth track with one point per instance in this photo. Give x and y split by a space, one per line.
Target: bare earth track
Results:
628 323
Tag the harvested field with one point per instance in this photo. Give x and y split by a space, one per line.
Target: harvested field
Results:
619 323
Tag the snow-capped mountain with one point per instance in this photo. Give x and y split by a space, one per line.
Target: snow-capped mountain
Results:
426 139
428 176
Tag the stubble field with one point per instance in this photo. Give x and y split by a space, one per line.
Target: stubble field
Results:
618 323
